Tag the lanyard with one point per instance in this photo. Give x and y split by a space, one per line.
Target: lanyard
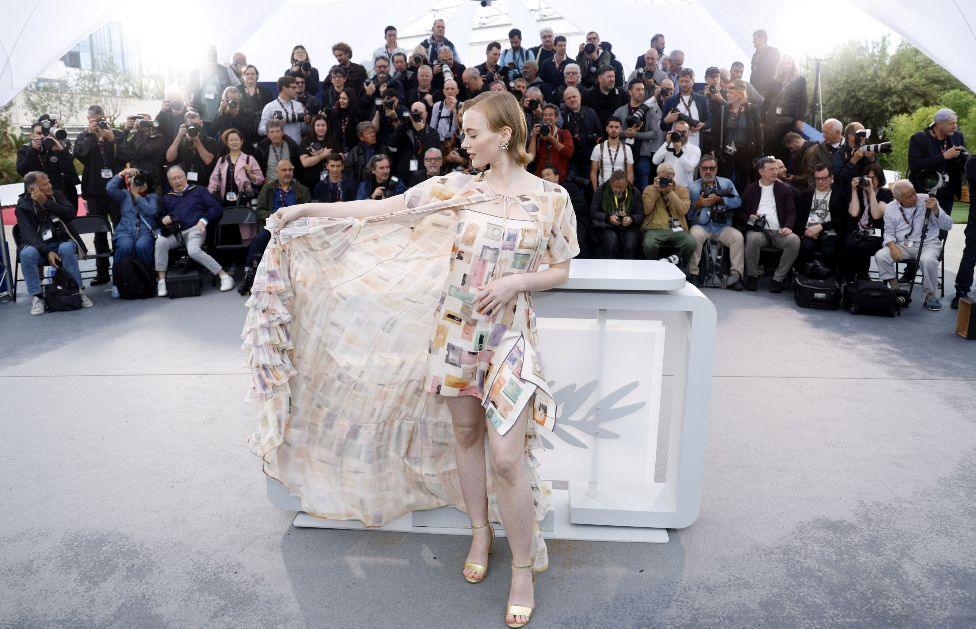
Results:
911 223
283 197
688 104
278 151
291 102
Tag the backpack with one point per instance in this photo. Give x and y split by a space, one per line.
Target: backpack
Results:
869 297
133 280
62 293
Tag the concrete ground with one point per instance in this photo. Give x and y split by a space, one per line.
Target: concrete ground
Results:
840 487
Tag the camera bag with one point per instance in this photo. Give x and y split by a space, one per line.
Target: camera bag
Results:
810 292
133 280
870 297
62 293
183 279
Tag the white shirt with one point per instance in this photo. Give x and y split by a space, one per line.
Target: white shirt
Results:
610 159
290 110
767 207
684 165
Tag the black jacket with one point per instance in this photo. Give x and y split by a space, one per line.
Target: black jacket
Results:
244 121
95 156
605 104
263 150
925 153
838 213
57 165
325 193
406 143
721 137
145 152
30 218
189 159
356 161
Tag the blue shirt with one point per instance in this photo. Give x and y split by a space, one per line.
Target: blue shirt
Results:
703 216
280 200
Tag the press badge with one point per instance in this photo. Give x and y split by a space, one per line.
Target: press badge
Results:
779 111
191 175
47 234
323 175
414 164
106 173
209 96
908 244
231 196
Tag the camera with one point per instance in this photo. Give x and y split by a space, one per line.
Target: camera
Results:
192 130
863 182
756 223
446 71
417 60
864 234
232 104
315 146
676 136
684 118
277 115
664 182
102 124
544 129
639 73
713 89
667 92
144 124
963 153
388 104
305 66
880 147
730 149
534 104
589 48
47 143
141 179
416 116
719 215
636 119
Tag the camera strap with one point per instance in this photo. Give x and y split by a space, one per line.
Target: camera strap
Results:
292 112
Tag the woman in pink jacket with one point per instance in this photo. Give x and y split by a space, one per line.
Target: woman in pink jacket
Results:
237 176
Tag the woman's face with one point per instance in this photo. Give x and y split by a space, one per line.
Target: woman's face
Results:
234 142
874 180
299 55
320 128
480 142
343 100
250 76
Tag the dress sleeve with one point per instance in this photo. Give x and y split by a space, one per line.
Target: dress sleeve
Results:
436 189
563 244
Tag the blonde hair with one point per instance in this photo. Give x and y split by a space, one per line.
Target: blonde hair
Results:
788 76
501 110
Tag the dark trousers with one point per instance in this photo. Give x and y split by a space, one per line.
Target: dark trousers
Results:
738 168
619 244
258 244
964 276
106 208
857 256
827 248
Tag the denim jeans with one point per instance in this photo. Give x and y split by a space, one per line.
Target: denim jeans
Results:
127 245
642 173
31 258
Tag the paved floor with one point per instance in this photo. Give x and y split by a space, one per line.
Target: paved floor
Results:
840 488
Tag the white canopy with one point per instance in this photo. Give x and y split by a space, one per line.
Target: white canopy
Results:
35 34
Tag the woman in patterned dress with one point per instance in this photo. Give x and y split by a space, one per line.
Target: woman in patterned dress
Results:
483 354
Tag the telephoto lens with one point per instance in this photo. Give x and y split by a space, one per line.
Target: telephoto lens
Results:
589 48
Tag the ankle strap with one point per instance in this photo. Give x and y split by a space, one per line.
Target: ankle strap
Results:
528 565
479 526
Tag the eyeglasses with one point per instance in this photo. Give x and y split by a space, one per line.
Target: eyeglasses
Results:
707 167
827 178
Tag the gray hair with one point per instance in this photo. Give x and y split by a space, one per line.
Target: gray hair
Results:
899 188
364 126
833 122
31 179
433 152
96 110
376 159
571 66
545 30
533 90
175 167
944 115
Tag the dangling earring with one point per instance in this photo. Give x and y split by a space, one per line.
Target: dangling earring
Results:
503 146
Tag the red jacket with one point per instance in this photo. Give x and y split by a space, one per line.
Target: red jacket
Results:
545 156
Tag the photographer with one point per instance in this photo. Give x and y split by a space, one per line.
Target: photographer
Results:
144 146
592 60
584 126
713 203
964 276
822 217
355 74
551 70
532 106
402 73
380 184
516 56
133 233
852 159
335 186
548 144
737 136
424 91
939 148
253 97
605 98
904 220
688 107
666 204
301 65
571 79
358 158
207 84
768 215
679 154
649 72
97 149
490 68
530 72
389 117
820 153
473 83
676 63
616 215
642 122
231 116
736 70
433 167
381 80
186 212
436 41
171 113
609 156
316 146
443 118
390 46
865 222
310 103
236 173
193 150
286 109
784 107
46 237
446 69
410 140
274 148
47 153
547 46
765 62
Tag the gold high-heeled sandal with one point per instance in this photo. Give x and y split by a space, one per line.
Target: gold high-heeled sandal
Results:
480 570
520 610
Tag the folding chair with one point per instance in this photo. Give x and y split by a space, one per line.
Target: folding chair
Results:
94 224
230 238
16 265
917 278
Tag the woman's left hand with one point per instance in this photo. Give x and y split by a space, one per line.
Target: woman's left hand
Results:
497 294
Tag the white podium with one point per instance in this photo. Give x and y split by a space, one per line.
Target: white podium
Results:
611 317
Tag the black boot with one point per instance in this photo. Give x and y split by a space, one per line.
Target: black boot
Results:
248 280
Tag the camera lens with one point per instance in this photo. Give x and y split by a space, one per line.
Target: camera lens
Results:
102 124
61 135
589 48
144 124
192 130
232 104
416 116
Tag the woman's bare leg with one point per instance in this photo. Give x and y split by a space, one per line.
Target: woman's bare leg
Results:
511 475
468 418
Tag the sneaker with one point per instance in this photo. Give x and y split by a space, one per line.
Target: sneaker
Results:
776 286
85 302
115 292
226 282
933 303
37 306
954 304
160 288
752 283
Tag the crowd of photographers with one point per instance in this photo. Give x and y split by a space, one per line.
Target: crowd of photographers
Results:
655 168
